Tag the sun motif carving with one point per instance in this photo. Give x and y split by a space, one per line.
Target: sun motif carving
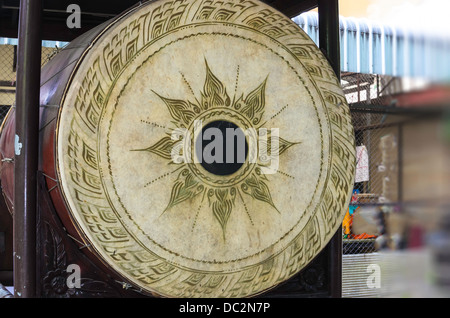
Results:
220 193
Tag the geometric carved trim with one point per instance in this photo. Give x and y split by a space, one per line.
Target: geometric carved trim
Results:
58 252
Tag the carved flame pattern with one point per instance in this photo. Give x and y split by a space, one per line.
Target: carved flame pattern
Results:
188 185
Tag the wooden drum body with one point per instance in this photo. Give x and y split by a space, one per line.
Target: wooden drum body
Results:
118 101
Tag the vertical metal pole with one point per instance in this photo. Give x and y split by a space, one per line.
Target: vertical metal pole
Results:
329 32
329 45
26 147
400 163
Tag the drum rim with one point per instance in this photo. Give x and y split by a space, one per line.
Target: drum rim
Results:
68 210
10 207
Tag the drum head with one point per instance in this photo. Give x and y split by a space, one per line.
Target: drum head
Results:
141 120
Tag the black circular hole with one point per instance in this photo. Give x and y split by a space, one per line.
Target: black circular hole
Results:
222 147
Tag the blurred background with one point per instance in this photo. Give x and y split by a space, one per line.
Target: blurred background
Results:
395 73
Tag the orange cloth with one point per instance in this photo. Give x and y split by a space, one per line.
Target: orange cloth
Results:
363 236
347 227
347 223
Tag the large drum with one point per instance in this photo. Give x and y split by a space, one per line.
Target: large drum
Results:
137 119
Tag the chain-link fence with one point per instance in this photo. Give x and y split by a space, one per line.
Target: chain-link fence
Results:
396 145
8 58
8 69
377 188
